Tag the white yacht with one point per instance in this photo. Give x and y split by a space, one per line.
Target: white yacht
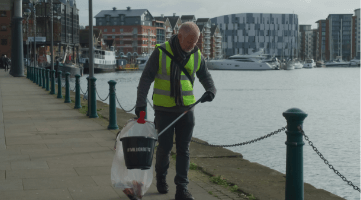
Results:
337 63
142 61
104 60
309 64
241 62
298 64
290 65
355 62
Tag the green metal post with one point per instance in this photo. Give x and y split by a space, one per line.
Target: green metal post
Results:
31 73
93 99
39 81
52 75
27 72
77 92
67 89
35 74
43 72
294 154
59 85
88 100
47 79
112 106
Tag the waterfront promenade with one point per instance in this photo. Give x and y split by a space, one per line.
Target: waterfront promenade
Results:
48 150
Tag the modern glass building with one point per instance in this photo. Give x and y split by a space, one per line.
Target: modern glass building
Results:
340 38
243 33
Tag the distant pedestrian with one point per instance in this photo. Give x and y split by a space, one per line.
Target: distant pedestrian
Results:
6 63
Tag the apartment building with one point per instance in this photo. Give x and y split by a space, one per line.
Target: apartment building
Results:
340 29
134 30
245 32
216 41
322 41
5 31
204 40
356 34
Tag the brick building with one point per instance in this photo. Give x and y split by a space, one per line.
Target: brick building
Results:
5 30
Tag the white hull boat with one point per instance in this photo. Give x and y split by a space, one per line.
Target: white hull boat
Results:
309 64
242 62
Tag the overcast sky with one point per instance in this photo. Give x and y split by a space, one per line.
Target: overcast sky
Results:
308 11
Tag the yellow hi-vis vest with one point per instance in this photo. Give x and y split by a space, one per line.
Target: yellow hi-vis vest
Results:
161 96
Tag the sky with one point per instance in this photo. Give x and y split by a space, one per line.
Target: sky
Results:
308 11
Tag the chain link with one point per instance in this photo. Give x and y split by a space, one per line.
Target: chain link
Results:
101 98
122 107
326 161
243 143
83 92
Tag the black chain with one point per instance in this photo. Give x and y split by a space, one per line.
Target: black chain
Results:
101 98
83 92
243 143
122 107
326 161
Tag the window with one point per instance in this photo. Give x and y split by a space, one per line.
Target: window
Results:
113 30
115 23
2 13
105 30
113 36
121 30
100 23
4 42
3 28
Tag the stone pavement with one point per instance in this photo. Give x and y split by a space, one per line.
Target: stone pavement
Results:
50 151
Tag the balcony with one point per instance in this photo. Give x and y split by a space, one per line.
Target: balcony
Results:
207 42
218 36
169 30
126 33
219 50
128 39
218 40
207 31
207 47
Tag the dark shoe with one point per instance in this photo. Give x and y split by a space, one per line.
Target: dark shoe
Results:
183 195
162 186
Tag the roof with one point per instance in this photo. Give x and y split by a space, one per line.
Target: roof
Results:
321 20
187 17
202 19
160 19
213 29
200 27
172 20
116 13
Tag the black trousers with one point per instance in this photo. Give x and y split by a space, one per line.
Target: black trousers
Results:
6 67
183 130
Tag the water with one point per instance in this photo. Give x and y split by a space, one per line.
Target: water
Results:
249 104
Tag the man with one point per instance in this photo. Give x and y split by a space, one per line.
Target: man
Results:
6 63
173 94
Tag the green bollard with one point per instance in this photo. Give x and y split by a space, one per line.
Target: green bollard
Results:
52 75
59 86
30 73
35 75
112 106
67 89
294 154
93 99
39 81
77 92
47 79
43 72
88 81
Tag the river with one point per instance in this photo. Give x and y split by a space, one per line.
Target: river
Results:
249 104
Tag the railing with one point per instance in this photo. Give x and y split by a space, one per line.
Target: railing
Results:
294 185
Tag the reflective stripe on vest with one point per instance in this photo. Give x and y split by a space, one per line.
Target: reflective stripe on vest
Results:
162 88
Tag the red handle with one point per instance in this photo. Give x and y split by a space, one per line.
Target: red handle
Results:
141 117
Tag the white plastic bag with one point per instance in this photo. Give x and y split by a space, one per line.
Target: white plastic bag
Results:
134 182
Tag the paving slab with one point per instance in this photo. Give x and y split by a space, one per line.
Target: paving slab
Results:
53 194
58 182
15 184
40 173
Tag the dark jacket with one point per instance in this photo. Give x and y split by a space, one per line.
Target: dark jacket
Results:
151 70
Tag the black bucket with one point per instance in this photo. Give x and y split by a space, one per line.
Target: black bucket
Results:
138 152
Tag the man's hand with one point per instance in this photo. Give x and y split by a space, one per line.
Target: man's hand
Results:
207 96
138 109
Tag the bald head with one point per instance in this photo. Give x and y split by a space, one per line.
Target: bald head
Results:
188 36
